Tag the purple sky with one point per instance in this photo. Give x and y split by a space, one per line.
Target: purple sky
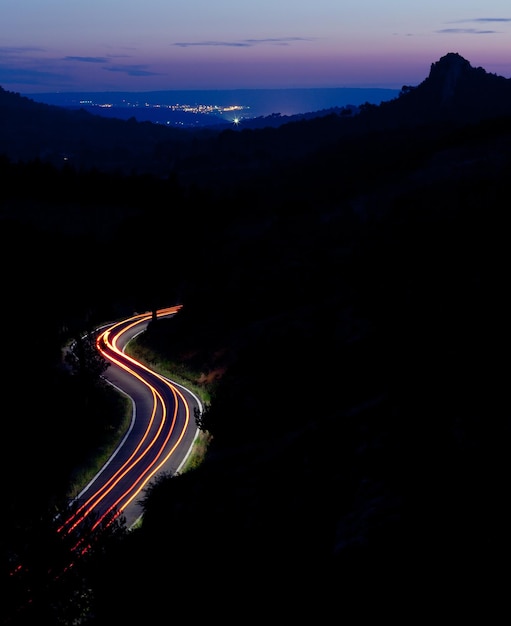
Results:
119 45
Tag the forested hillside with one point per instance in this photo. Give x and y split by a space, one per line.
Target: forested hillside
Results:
343 290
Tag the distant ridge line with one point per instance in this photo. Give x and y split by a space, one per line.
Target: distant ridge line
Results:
286 101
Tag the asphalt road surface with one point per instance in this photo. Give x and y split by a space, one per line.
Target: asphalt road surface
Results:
159 439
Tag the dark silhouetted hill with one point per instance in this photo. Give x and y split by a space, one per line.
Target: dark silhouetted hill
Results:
453 94
31 130
343 282
353 310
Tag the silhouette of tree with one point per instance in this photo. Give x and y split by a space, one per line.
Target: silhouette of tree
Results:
85 360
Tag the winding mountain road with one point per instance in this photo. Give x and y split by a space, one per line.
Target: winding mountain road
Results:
159 439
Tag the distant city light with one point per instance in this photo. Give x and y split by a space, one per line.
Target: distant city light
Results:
188 108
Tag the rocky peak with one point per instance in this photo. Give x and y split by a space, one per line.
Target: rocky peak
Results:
446 73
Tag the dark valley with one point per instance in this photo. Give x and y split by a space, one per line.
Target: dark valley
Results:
343 286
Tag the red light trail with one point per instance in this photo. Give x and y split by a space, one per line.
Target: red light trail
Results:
150 445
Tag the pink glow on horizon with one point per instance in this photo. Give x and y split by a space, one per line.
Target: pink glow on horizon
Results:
389 69
158 45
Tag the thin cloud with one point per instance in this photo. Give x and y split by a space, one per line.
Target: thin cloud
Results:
8 76
19 50
87 59
279 41
474 31
131 70
189 44
467 31
243 43
482 19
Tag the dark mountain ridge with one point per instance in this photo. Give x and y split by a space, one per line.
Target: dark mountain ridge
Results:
343 281
353 322
454 93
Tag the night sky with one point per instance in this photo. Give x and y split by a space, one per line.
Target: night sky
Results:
159 45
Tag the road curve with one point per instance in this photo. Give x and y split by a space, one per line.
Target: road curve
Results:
160 436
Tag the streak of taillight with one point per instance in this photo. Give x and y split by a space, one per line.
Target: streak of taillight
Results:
113 346
175 391
94 500
99 495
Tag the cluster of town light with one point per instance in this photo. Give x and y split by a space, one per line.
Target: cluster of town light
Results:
188 108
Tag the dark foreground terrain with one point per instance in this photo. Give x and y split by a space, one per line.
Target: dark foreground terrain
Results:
343 282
